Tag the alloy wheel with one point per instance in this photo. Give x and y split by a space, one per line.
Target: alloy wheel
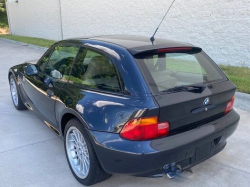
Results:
77 152
14 93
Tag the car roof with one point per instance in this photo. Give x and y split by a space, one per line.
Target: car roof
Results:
136 44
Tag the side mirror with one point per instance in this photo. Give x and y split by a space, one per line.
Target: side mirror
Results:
31 70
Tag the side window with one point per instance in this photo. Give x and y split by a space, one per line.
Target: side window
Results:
43 61
94 70
60 62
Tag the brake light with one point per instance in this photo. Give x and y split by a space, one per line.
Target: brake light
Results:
144 129
175 49
230 105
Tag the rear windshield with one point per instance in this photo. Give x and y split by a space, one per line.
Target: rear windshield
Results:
164 71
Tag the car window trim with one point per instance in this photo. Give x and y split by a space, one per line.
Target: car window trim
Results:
122 90
98 90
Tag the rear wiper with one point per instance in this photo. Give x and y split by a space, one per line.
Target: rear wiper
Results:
187 88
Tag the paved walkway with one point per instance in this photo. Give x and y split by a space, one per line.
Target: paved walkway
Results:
32 156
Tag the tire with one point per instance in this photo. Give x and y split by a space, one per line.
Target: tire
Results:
74 152
15 95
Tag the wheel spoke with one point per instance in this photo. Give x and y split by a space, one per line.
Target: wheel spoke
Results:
73 142
73 149
86 152
74 157
85 159
73 136
78 162
85 166
80 165
79 136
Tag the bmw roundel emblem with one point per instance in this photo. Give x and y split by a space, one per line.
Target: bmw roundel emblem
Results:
206 101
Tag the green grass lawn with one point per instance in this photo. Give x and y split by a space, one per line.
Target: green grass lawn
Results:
240 76
30 40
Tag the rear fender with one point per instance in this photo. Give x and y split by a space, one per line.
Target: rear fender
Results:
61 111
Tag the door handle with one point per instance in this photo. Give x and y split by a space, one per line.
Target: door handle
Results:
50 93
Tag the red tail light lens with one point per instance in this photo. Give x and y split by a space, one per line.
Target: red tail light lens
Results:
144 129
230 105
175 49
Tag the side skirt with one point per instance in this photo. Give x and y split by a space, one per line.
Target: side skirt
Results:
52 128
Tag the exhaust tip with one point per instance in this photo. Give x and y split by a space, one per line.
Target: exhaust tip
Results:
171 175
171 170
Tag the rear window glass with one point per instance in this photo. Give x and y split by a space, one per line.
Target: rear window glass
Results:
164 71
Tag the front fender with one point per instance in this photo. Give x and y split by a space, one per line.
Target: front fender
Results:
14 71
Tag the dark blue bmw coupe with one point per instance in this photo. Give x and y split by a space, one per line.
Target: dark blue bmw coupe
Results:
124 104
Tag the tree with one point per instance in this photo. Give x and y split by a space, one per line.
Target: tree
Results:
3 15
3 5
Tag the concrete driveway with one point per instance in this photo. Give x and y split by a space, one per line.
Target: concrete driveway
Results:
31 155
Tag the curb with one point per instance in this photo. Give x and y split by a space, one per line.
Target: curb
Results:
242 101
25 44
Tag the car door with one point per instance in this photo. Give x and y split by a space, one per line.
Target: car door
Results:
55 75
32 86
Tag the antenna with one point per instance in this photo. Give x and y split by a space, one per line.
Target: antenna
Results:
153 37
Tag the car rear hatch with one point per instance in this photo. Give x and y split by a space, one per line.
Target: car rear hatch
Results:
187 110
188 86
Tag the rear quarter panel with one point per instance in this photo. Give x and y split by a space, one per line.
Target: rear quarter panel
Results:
102 111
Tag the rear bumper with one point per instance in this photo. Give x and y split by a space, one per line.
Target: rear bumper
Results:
145 158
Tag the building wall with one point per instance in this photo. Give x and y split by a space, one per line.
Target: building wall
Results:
221 28
36 18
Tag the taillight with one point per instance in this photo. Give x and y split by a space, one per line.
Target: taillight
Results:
174 49
144 129
230 105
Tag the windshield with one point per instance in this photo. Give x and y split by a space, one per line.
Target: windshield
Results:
164 71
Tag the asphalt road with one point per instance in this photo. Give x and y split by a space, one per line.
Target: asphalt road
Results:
32 155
